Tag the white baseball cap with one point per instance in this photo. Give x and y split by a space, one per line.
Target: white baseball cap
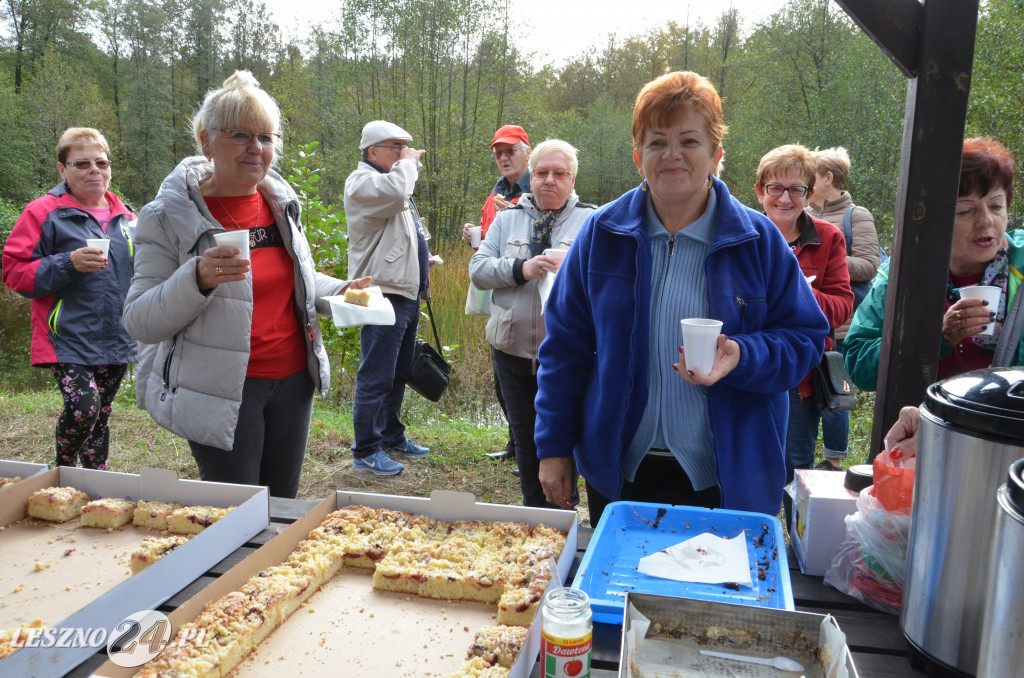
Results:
381 130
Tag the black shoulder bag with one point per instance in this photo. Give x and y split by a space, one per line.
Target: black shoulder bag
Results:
833 389
430 371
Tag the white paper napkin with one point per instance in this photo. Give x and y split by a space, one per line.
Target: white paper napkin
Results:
379 312
704 559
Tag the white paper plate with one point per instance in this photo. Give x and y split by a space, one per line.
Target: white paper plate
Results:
379 312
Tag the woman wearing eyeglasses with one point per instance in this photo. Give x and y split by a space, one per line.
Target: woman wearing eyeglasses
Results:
512 262
77 292
614 388
785 182
231 352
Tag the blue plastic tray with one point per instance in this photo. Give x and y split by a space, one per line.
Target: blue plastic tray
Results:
629 531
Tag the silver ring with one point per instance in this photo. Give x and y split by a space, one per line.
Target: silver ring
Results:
958 316
219 270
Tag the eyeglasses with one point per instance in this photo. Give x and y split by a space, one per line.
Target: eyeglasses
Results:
506 152
393 147
776 190
543 174
243 138
82 165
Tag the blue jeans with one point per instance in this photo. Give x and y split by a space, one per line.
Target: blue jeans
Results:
385 365
801 435
835 428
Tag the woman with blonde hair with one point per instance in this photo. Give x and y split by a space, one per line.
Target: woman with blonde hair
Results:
615 391
77 290
231 351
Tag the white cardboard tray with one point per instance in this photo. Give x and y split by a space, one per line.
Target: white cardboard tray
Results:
154 585
18 469
442 505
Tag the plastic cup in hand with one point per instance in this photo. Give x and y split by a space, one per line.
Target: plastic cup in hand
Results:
239 239
556 253
475 237
102 243
987 292
700 339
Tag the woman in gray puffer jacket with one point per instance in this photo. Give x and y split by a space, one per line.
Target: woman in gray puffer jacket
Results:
513 260
230 345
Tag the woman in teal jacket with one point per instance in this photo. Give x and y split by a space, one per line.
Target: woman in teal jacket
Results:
983 253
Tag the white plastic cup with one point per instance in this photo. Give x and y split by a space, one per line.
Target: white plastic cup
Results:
700 339
475 236
556 253
102 243
987 292
239 239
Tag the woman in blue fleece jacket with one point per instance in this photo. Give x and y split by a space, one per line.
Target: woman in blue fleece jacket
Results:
678 246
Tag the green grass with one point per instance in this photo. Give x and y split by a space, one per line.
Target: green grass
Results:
457 461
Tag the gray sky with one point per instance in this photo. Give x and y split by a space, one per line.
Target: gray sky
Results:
557 30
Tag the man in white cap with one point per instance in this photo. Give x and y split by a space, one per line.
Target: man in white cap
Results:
387 240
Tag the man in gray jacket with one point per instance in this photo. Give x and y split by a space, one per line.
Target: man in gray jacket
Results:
387 240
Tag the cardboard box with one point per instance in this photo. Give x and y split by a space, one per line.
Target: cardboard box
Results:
396 650
17 469
821 503
152 586
685 624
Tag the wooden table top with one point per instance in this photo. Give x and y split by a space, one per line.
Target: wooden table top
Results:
878 647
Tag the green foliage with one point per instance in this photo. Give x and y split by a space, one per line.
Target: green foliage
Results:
324 226
450 72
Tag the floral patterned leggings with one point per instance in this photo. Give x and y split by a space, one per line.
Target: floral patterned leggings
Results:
83 429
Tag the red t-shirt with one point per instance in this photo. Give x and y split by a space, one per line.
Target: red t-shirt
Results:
277 346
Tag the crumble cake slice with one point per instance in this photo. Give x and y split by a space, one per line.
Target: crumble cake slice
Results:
57 504
109 512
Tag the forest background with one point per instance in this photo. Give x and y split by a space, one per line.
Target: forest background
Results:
450 72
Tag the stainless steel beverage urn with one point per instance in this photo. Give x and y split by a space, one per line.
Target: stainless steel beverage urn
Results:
1002 635
972 429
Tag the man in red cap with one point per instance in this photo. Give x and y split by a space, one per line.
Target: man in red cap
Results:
511 148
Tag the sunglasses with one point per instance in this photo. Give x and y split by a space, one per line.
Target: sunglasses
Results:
506 152
82 165
542 174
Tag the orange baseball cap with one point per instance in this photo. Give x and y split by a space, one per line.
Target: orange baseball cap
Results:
510 134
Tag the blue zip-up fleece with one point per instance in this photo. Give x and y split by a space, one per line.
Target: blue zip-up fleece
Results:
593 364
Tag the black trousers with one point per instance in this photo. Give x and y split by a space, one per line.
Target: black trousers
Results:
270 437
518 383
659 480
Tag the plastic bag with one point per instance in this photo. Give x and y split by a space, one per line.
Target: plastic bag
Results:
478 302
893 481
870 564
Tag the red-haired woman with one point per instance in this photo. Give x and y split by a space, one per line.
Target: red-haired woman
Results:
677 246
983 253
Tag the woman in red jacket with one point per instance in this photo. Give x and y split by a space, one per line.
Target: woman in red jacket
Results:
77 290
785 182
